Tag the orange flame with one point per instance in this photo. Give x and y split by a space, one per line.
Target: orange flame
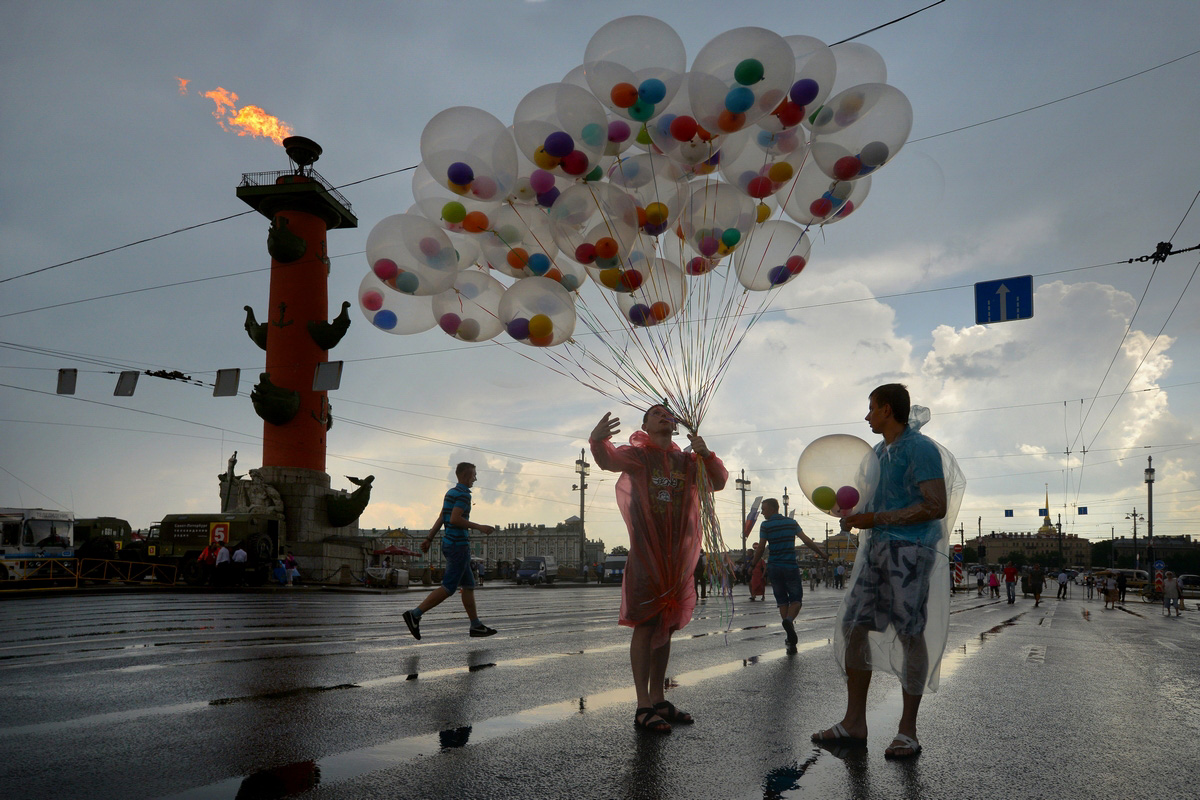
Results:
248 120
183 82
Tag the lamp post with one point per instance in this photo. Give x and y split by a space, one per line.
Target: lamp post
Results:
584 469
1134 516
743 486
1150 512
785 501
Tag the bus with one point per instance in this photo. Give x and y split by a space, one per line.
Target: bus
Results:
28 535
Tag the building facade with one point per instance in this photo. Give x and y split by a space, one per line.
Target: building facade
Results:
510 544
995 547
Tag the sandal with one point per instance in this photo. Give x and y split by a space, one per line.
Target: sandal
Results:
670 713
648 719
840 736
902 742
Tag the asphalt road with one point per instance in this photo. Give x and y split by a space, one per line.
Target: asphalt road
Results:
324 693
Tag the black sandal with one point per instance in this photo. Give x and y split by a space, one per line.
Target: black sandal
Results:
671 714
642 719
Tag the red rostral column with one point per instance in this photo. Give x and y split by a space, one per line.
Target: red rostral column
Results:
302 206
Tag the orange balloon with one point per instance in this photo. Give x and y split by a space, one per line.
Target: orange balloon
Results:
641 216
541 341
554 274
703 133
540 326
624 95
518 257
475 222
606 247
729 122
660 310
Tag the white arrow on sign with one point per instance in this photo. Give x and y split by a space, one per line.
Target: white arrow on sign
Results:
1002 290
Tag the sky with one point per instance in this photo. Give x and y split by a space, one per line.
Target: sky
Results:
1048 139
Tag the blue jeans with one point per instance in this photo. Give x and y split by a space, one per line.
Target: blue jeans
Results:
458 567
786 584
1011 586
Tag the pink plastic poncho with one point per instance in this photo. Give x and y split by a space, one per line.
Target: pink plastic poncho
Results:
659 497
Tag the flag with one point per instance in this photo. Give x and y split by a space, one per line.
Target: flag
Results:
1083 509
1043 512
1008 512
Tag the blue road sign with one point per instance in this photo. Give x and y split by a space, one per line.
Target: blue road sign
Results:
958 557
1159 564
1004 300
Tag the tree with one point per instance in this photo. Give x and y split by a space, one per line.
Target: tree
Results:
619 550
1016 557
970 555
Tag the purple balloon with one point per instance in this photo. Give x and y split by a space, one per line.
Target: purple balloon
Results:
519 328
804 91
640 314
778 275
618 131
460 173
847 497
546 199
559 144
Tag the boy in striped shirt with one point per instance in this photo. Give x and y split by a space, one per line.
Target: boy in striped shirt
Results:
783 571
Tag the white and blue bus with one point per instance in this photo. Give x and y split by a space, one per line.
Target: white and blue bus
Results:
30 535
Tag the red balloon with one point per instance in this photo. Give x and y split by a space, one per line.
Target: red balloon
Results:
631 279
795 264
821 207
759 187
576 163
789 114
683 128
846 167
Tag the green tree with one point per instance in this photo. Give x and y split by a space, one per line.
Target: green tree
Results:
619 550
970 555
1016 557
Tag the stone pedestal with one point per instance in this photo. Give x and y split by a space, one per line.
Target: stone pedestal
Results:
325 553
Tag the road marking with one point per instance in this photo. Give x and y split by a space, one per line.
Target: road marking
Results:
1168 645
1035 654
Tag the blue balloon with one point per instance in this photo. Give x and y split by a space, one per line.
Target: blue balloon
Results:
384 320
778 275
652 90
539 263
546 199
739 100
559 144
460 173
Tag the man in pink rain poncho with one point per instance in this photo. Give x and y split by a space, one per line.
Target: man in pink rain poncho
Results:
659 496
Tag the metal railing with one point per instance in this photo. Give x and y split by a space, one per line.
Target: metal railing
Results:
270 178
66 573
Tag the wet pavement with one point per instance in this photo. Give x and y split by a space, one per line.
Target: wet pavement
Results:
323 694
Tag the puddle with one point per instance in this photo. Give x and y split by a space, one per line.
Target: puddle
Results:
355 763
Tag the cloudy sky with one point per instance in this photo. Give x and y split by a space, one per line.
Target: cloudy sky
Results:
1052 139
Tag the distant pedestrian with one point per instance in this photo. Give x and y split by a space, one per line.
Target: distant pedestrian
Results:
1037 579
659 495
1062 584
993 581
456 526
778 538
1090 583
1172 594
1112 590
239 565
223 566
700 576
1010 582
979 583
1122 586
208 561
839 576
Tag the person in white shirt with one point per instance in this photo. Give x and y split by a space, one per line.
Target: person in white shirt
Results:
1062 585
224 566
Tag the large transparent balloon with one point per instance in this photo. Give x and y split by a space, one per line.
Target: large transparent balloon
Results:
761 172
470 152
594 223
739 77
392 312
451 211
519 243
816 70
679 137
412 255
859 130
775 252
856 63
538 312
657 185
634 65
561 128
838 474
658 298
717 218
814 198
470 311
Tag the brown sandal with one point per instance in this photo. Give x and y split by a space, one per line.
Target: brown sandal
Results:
648 719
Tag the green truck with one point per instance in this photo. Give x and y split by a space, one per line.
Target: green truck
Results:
183 537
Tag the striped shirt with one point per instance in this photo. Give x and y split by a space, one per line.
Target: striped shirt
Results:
458 497
779 532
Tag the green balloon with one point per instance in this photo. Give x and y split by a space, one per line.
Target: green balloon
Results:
731 236
454 212
595 175
748 72
643 136
824 497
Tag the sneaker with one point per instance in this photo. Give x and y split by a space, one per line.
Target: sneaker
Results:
414 624
481 631
790 627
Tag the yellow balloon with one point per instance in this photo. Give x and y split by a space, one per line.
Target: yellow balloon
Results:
780 171
656 213
540 326
764 212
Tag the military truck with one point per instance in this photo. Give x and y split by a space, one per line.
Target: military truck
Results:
106 537
183 537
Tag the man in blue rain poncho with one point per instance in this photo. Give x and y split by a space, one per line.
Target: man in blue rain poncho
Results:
895 616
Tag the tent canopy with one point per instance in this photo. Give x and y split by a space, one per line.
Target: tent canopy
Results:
394 550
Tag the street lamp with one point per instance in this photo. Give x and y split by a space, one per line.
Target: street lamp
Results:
1135 517
743 486
1150 511
785 501
584 469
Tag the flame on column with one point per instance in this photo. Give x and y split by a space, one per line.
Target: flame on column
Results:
248 120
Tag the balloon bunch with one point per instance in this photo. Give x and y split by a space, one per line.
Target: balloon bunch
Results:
685 196
838 460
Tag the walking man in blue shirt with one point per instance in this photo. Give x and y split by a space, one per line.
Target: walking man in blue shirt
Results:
456 547
783 571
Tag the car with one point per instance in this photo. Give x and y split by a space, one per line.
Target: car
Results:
1190 586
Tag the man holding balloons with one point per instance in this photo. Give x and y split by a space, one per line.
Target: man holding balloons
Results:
890 620
659 497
